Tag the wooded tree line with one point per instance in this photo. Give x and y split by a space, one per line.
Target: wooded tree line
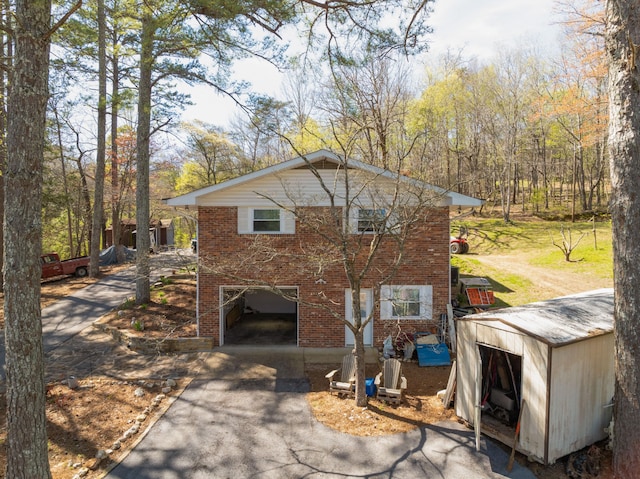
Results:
526 130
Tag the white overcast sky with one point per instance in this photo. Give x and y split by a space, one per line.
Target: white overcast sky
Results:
483 26
478 27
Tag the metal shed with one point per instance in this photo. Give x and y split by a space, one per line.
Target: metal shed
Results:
556 357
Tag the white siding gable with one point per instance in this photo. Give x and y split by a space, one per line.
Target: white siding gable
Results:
302 188
297 170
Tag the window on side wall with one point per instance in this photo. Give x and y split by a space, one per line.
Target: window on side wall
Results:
406 302
371 220
266 221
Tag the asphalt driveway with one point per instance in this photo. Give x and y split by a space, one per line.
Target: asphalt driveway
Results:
64 319
246 417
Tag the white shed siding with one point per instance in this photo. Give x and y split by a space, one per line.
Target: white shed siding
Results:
535 361
580 392
465 370
534 377
491 335
567 350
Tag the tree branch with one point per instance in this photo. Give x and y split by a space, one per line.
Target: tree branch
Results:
62 21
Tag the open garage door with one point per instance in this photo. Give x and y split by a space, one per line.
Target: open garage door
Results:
257 316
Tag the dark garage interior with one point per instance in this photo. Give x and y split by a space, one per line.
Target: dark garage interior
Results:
260 317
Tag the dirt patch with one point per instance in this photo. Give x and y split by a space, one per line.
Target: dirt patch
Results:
171 313
546 283
420 405
100 415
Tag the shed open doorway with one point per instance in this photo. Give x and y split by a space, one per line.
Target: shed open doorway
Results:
257 316
501 389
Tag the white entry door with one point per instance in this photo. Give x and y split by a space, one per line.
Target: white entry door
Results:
366 306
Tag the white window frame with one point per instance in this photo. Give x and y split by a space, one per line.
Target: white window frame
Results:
390 301
252 220
372 225
246 217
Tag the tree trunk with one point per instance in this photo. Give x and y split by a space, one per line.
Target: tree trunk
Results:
361 393
143 243
356 307
6 52
65 183
116 220
26 425
623 32
98 202
84 203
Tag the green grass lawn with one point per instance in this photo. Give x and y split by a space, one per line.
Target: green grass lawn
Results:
530 243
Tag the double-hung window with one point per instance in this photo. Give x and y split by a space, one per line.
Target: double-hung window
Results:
266 221
371 220
406 302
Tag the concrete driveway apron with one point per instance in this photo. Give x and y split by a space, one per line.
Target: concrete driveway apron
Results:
246 416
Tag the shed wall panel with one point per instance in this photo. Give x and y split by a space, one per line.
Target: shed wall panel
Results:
465 370
534 376
508 341
582 386
535 361
568 386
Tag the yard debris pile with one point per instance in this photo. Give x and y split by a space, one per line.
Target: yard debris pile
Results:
585 464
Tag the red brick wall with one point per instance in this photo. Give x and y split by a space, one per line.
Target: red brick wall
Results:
226 256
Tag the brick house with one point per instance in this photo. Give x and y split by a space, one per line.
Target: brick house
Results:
269 243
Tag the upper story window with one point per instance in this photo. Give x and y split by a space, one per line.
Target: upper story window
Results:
266 221
371 220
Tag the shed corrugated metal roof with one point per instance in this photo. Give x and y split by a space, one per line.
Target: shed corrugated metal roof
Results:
558 321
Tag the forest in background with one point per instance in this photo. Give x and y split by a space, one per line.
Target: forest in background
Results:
526 131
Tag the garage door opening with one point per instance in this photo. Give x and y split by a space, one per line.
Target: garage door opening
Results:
260 317
500 389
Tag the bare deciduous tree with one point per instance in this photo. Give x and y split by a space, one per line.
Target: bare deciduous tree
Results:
567 246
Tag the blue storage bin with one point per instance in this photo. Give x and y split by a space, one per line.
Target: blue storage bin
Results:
370 387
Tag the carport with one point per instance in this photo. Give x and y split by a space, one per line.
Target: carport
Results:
259 316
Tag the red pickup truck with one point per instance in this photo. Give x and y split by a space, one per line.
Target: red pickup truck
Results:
52 266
